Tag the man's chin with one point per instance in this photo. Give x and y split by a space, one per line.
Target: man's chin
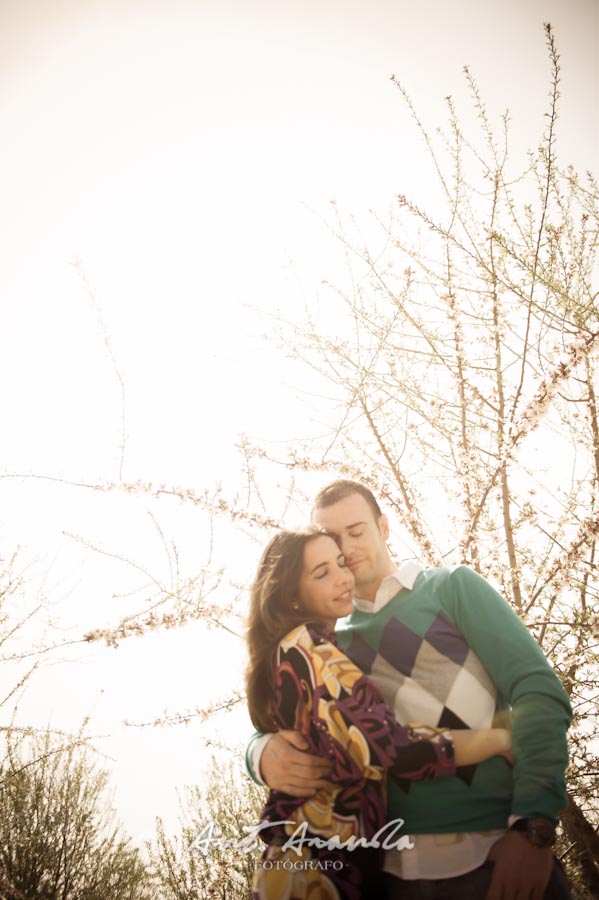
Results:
362 579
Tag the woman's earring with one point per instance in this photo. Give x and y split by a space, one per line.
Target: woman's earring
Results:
295 606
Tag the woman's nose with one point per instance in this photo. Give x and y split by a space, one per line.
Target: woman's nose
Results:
344 576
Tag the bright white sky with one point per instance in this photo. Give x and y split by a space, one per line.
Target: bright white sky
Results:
183 153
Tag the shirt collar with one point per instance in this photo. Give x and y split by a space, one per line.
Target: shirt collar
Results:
403 577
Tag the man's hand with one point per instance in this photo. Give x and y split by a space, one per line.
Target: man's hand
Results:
285 766
521 871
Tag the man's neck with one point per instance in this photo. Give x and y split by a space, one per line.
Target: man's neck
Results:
368 592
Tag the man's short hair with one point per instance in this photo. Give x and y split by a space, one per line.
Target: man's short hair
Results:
339 490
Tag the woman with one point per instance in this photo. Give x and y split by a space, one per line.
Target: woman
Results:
298 678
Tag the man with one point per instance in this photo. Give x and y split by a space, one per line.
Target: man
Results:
446 650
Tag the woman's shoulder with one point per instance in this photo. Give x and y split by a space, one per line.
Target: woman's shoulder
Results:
297 637
307 636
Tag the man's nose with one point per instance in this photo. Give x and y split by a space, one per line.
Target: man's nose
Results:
346 546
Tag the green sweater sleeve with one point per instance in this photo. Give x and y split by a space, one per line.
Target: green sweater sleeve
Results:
526 681
248 758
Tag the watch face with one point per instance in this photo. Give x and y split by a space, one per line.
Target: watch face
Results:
541 832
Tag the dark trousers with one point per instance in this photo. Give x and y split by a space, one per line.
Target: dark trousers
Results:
471 886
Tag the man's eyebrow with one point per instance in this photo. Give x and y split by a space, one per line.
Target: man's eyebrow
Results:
336 534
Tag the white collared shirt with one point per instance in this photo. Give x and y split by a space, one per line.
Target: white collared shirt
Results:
404 577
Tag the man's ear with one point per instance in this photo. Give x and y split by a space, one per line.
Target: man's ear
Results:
384 527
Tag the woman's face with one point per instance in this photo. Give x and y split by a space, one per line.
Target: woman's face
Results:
326 585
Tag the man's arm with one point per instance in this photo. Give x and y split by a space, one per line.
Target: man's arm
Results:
253 754
283 765
541 713
525 680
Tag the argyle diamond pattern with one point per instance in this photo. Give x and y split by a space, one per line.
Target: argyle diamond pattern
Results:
435 679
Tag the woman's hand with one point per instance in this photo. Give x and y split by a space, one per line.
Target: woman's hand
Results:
474 745
505 739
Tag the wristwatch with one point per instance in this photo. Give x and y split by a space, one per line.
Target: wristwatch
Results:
540 832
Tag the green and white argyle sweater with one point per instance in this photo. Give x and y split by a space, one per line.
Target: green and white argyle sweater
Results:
452 653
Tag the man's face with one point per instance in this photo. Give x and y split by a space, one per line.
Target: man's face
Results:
361 539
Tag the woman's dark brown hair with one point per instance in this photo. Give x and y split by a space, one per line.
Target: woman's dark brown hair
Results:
274 611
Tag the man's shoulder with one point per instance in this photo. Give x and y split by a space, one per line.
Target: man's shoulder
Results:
451 585
433 578
448 575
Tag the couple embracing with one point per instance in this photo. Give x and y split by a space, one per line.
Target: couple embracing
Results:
377 691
